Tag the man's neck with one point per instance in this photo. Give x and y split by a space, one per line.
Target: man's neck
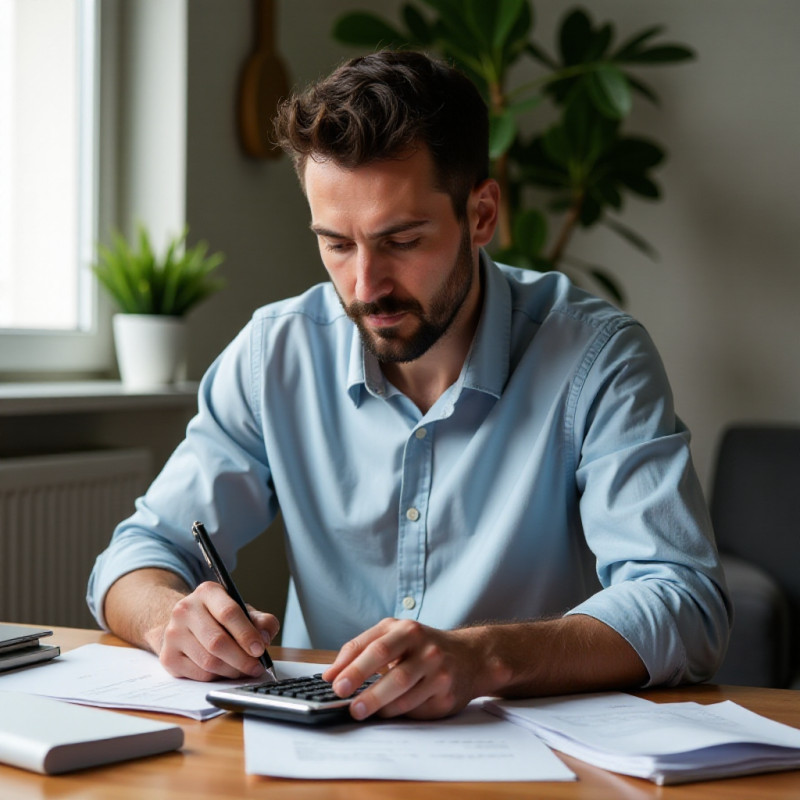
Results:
425 379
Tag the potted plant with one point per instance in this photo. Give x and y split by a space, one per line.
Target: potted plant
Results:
154 295
579 159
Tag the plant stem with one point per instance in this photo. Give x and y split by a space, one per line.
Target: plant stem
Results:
570 221
501 175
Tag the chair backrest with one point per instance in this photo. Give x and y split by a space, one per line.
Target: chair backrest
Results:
755 505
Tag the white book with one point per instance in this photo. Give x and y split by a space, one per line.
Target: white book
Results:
50 736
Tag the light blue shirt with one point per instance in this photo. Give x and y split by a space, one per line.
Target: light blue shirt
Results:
553 476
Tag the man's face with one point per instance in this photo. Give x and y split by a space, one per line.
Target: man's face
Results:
400 261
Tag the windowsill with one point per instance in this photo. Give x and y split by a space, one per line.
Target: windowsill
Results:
97 395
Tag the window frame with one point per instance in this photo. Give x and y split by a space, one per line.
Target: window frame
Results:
87 350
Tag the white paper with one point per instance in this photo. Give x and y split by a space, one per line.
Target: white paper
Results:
472 746
665 742
126 677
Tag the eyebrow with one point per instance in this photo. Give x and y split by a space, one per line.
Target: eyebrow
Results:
391 230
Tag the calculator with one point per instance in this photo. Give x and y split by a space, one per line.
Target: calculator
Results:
310 700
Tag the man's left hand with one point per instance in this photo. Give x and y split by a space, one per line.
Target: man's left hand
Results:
429 673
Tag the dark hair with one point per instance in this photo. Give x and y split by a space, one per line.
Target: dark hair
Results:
384 105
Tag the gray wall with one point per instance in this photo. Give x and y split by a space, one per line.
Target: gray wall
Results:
719 303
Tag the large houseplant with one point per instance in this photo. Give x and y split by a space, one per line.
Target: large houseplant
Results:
579 158
153 295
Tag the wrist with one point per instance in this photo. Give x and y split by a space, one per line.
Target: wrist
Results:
492 667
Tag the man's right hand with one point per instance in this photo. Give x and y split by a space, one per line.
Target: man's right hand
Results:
200 634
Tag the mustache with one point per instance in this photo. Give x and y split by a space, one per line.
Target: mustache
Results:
386 305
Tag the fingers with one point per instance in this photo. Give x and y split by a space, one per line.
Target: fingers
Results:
424 669
266 624
209 636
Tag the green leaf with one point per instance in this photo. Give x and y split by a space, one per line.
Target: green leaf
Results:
417 25
363 29
502 130
556 145
632 46
529 232
575 37
506 23
642 88
609 91
663 54
606 193
601 39
641 185
523 106
609 284
630 236
141 283
453 28
540 55
634 154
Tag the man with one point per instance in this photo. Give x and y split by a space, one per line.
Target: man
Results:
459 450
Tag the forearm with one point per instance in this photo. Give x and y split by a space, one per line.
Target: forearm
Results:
570 654
138 606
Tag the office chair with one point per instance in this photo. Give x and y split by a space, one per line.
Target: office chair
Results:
755 508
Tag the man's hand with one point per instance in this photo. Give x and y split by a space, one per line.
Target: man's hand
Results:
208 636
429 673
200 634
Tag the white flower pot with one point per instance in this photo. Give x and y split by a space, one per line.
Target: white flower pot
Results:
151 349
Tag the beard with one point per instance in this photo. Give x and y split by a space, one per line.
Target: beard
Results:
387 344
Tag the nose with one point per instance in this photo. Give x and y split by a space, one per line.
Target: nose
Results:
372 279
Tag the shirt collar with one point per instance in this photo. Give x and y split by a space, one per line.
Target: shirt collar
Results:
487 363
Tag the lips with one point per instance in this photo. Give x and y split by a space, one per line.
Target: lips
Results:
384 320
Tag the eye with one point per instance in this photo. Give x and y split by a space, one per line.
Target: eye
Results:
409 245
336 247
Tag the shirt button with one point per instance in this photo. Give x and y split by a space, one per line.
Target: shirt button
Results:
409 603
412 514
421 433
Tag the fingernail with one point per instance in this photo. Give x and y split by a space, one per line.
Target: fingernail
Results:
256 649
358 710
343 687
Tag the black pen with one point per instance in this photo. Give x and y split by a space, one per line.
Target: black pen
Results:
214 561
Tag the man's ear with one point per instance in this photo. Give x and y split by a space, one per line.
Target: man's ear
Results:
482 208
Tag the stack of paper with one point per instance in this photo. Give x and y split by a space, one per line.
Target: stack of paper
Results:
663 742
125 677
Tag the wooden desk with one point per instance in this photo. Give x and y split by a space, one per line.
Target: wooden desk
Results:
211 763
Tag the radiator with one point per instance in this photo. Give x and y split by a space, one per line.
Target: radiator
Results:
57 513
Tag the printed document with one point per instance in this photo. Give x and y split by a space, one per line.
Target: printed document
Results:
663 742
126 677
472 746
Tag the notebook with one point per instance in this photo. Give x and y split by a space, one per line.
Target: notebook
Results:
19 646
51 736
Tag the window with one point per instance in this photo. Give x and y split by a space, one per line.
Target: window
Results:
49 67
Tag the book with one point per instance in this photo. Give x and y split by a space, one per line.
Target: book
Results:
15 637
666 743
19 646
28 655
50 736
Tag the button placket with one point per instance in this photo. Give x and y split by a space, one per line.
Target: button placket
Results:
412 538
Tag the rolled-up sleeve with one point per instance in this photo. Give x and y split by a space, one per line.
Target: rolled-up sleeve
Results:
644 515
219 472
